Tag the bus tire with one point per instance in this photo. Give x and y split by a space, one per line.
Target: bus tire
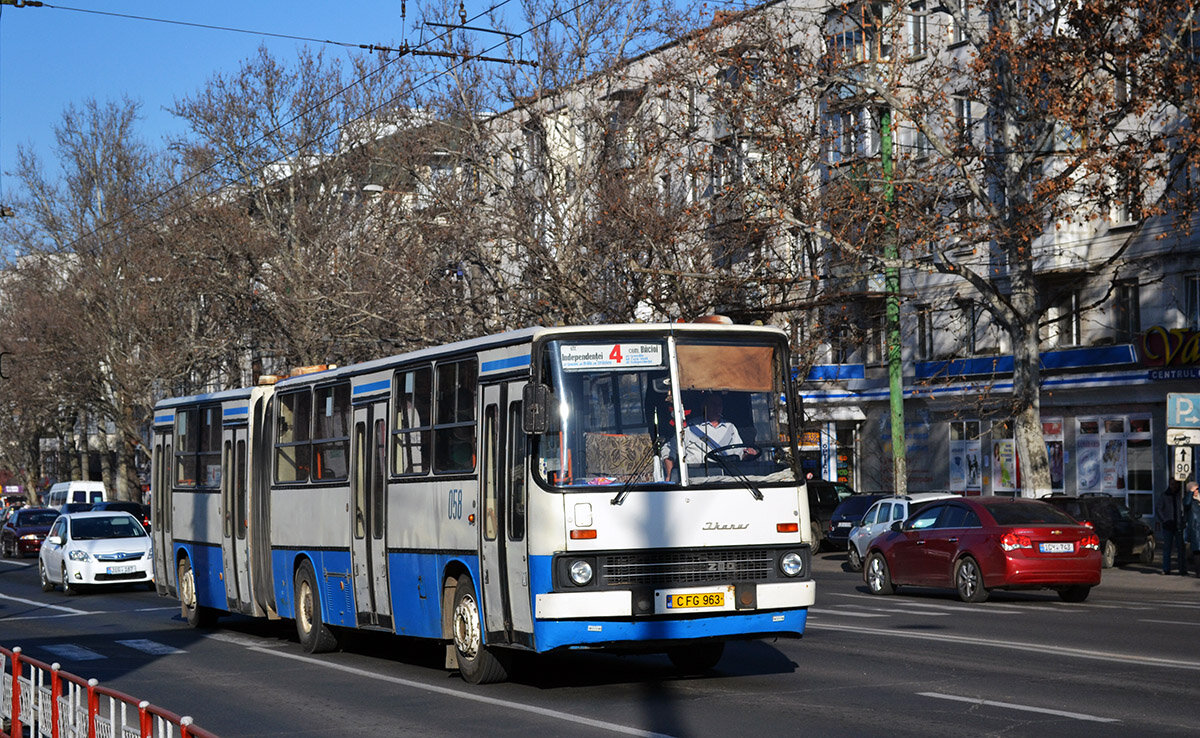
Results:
195 615
697 658
315 635
476 663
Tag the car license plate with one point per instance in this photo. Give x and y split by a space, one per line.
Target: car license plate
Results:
121 569
716 598
844 525
1056 548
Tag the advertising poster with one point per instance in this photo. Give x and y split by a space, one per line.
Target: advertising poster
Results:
1005 479
1089 471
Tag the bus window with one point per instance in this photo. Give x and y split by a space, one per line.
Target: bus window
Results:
516 474
454 430
331 432
291 437
414 419
490 476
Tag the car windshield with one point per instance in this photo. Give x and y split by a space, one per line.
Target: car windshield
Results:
1029 513
41 517
122 526
623 414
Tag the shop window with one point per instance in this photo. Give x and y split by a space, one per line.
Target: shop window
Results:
1006 474
966 457
1052 432
1114 455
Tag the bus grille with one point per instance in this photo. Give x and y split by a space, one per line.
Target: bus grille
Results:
667 568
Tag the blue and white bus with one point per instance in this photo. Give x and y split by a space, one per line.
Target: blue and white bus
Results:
626 487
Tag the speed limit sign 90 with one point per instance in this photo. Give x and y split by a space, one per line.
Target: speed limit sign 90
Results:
1183 463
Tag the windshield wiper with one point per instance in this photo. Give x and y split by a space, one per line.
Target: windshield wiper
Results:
655 446
718 456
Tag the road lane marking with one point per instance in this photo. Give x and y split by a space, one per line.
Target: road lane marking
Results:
845 613
986 609
1024 708
35 603
72 652
154 648
240 640
542 711
1169 622
1040 648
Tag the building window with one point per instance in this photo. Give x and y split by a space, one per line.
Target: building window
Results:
1127 311
1191 288
964 121
971 314
966 463
840 347
1113 455
957 12
875 346
918 41
924 332
1064 320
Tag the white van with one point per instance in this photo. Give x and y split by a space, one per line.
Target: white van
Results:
77 491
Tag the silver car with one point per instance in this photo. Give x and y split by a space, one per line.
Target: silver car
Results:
880 518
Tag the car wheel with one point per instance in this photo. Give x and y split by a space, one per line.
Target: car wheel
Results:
1148 552
856 562
69 589
47 585
476 663
818 542
315 635
195 615
1109 554
1074 593
697 658
4 549
879 579
968 580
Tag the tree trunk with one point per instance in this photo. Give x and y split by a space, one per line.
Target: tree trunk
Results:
1027 411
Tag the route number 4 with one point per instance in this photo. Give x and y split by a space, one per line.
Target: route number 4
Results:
1183 463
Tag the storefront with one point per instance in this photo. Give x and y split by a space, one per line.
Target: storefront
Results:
1103 419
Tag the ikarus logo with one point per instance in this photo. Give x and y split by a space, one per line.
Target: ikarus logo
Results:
725 526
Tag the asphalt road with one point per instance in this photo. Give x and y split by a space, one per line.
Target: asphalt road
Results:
916 663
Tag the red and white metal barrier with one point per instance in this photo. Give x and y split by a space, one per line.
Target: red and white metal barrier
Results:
42 700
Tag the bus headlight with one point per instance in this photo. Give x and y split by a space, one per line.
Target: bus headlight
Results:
792 564
581 572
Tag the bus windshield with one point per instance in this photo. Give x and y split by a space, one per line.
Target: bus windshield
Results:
629 415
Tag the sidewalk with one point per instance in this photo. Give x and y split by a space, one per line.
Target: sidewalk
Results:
1149 578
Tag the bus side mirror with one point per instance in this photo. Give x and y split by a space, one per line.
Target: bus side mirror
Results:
537 400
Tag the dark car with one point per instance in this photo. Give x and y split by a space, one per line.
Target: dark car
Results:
1123 536
136 509
73 507
846 516
25 530
979 544
823 499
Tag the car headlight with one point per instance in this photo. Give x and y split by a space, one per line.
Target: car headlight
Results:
30 537
77 555
581 572
792 564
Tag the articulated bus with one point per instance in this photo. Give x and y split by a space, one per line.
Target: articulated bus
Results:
626 487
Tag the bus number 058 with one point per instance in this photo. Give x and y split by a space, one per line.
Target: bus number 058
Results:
454 509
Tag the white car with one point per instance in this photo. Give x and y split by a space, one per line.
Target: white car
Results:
880 518
95 548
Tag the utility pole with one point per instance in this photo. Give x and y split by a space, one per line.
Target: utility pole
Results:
891 275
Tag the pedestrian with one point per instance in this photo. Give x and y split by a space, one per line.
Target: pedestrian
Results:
1191 516
1169 514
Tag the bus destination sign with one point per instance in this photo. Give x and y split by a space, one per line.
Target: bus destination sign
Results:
611 356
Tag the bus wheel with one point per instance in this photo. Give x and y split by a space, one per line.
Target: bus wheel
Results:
195 615
476 663
315 635
696 658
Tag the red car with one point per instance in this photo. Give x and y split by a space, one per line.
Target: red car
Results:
25 529
978 544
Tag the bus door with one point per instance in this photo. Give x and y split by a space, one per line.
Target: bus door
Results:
235 549
368 519
160 523
503 556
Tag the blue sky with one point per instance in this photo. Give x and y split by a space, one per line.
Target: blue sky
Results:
52 56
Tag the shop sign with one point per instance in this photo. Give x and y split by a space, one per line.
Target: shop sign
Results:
1169 347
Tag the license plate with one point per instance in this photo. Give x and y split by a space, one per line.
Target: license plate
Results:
1056 548
121 569
696 599
844 525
